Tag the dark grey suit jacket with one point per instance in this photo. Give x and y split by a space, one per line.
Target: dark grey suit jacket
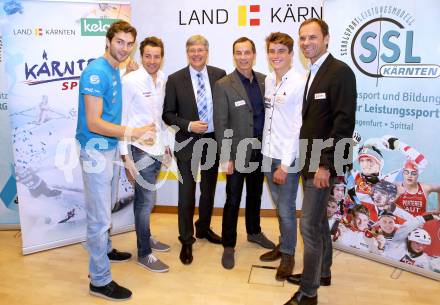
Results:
180 107
233 110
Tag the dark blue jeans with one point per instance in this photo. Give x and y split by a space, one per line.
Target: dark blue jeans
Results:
234 190
144 197
316 236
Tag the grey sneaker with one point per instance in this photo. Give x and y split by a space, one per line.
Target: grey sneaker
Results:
158 246
152 263
260 239
228 258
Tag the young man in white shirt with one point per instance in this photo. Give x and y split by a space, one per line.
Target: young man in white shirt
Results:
283 102
143 96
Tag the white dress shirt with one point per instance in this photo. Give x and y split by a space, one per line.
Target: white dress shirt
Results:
194 79
314 69
283 117
142 104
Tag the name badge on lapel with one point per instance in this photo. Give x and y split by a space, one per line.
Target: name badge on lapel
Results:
267 102
320 96
239 103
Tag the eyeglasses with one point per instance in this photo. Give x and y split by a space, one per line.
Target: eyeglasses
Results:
195 51
408 172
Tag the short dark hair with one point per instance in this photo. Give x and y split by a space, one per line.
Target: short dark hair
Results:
322 24
244 39
281 38
151 41
332 198
386 187
120 26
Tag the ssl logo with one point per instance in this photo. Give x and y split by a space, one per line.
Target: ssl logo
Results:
382 48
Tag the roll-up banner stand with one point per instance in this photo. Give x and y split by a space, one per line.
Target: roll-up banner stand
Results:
48 45
384 211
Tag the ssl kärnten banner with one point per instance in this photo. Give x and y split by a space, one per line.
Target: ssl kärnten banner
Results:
387 209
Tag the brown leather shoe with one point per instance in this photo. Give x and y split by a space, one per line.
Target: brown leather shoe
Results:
261 239
272 255
228 258
286 267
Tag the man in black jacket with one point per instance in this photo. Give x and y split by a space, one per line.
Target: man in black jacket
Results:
328 112
188 107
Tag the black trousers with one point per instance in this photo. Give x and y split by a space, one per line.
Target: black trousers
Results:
187 192
234 190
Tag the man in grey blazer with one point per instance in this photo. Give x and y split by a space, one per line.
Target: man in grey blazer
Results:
188 106
239 122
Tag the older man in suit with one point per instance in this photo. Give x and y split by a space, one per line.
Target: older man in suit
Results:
188 107
329 108
239 113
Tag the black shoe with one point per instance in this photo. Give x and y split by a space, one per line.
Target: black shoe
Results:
186 256
272 255
296 280
301 299
210 236
111 291
116 257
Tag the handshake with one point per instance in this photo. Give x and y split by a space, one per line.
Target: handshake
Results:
145 135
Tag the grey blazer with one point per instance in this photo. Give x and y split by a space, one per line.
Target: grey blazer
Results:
233 110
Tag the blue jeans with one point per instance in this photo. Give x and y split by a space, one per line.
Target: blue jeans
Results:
144 197
316 236
100 176
284 198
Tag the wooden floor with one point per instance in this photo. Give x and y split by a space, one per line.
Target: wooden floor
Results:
59 276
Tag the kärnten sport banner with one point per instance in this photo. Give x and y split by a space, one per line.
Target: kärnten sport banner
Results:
387 209
47 46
